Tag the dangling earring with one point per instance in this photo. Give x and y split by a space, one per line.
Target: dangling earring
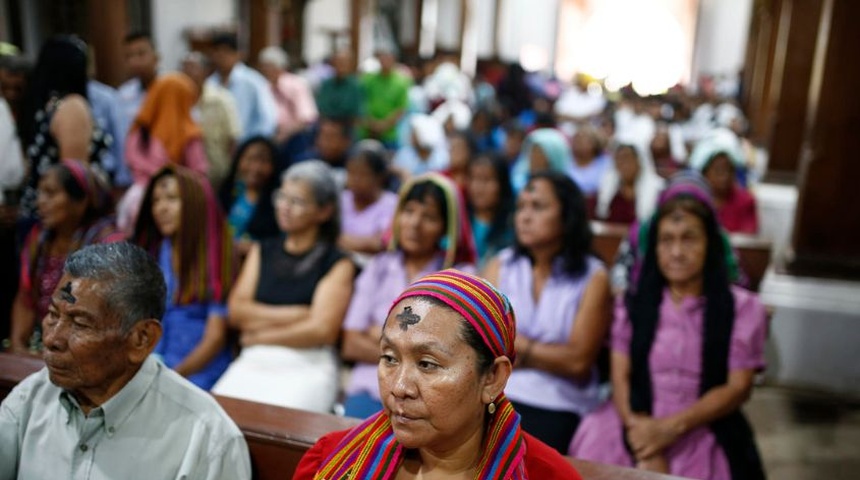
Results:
491 408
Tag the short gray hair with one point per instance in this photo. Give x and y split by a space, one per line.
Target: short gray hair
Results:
133 281
274 56
320 177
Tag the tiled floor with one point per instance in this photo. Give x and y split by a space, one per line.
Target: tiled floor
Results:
806 436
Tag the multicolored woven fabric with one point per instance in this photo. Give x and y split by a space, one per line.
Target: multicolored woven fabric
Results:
371 450
459 245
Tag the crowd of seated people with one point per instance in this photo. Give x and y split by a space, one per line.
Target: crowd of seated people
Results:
286 216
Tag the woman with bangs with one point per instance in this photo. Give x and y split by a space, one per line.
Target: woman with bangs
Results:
181 225
430 232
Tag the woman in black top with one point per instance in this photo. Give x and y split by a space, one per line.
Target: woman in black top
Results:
290 299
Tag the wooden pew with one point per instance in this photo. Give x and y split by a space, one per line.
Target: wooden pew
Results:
278 437
753 252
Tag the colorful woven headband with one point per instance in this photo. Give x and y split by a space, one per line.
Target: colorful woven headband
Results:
484 307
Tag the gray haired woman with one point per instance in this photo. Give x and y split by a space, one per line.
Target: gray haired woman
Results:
290 299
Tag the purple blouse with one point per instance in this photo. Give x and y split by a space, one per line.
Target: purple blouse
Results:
550 319
379 284
373 220
676 368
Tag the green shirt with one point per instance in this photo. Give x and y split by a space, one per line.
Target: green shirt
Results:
340 98
384 95
159 426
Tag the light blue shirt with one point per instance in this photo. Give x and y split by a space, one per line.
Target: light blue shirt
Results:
408 159
108 113
258 112
158 426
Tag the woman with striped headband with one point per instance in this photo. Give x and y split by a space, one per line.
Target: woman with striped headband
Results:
72 203
447 349
430 233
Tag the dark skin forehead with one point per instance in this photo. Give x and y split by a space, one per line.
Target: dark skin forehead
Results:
82 297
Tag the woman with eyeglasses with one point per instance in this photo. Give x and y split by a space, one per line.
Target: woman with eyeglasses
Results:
290 299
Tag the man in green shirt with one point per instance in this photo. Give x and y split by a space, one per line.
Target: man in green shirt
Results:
340 97
104 408
386 98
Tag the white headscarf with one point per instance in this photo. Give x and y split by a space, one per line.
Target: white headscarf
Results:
648 183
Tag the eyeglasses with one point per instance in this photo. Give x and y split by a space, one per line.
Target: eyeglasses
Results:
280 198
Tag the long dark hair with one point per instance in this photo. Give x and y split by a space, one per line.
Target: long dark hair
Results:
262 223
503 216
576 229
643 306
60 70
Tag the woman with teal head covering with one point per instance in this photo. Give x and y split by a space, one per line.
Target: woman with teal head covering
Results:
543 149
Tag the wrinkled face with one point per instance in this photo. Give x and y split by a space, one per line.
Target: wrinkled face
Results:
331 141
682 244
537 220
141 61
627 165
429 381
167 205
56 208
256 166
537 159
361 180
421 226
296 209
85 348
720 174
459 153
483 187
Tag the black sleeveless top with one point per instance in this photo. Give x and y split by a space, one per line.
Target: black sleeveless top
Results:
287 279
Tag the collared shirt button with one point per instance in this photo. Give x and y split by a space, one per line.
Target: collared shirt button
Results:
84 447
111 430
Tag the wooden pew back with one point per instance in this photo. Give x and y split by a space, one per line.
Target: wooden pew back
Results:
753 252
278 437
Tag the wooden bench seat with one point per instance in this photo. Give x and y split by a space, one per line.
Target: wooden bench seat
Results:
278 437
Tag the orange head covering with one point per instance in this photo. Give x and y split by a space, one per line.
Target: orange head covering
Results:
166 113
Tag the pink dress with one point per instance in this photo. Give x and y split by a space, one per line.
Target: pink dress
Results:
676 368
144 163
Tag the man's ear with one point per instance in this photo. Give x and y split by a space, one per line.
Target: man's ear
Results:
496 379
142 339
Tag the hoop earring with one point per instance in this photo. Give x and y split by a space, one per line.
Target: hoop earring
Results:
491 408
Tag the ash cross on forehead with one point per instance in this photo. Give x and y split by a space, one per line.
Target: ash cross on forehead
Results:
66 293
406 318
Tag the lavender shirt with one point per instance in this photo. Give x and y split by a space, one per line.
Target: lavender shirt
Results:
375 219
379 284
588 177
549 320
676 370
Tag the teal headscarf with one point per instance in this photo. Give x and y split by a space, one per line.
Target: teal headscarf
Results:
555 147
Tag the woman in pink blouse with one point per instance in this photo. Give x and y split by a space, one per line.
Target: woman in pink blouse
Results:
685 348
